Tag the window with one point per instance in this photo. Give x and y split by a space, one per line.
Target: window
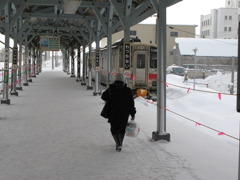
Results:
141 61
229 28
230 17
225 28
174 34
133 33
238 4
225 17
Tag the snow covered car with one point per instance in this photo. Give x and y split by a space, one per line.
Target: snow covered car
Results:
178 70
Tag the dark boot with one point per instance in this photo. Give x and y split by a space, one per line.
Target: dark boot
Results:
119 139
116 139
122 136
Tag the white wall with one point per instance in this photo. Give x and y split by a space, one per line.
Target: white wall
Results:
227 23
219 20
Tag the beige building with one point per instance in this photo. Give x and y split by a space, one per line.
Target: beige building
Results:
147 34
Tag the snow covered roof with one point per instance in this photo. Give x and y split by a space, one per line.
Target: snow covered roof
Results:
208 47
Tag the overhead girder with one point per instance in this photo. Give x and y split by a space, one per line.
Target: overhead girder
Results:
47 17
100 19
118 7
3 4
16 16
54 16
38 2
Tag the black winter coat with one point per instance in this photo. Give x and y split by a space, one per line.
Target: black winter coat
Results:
121 102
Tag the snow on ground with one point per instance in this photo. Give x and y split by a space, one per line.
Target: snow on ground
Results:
221 81
53 131
206 108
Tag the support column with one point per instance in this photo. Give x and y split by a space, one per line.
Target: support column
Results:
41 62
38 61
126 45
97 65
238 92
34 63
238 78
109 56
14 71
46 56
52 60
72 63
84 67
89 87
68 61
109 32
56 58
5 99
126 54
78 64
19 79
30 65
63 59
14 64
161 134
25 83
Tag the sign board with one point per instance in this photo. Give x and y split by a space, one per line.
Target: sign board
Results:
6 61
127 59
49 43
15 55
127 55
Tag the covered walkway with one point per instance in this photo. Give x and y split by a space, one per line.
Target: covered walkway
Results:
53 131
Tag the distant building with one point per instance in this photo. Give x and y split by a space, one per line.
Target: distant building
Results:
233 4
147 34
210 54
221 23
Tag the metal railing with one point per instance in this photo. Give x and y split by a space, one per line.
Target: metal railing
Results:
10 83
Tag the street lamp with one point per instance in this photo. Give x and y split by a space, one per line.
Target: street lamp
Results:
195 58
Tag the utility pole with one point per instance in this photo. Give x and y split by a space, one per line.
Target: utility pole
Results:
195 59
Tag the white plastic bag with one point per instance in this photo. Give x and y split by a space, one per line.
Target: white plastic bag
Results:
132 129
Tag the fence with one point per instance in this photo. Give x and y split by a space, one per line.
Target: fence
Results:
10 83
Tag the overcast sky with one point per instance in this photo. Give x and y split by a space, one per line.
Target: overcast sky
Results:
189 11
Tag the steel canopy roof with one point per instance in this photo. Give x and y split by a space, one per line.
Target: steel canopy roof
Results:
74 21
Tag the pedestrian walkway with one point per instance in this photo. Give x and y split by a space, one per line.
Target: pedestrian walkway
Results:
53 131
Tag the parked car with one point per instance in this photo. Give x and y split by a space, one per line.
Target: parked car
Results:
178 70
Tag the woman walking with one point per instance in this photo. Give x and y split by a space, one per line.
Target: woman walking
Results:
120 98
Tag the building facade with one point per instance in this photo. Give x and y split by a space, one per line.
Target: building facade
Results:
147 34
221 23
